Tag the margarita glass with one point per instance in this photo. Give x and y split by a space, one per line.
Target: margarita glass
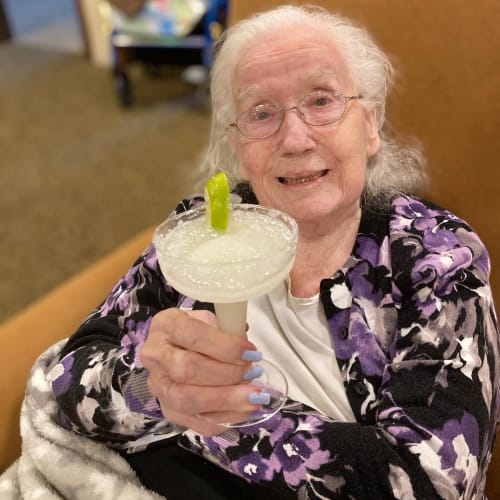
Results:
228 268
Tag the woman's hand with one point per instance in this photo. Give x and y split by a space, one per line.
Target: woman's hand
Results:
197 372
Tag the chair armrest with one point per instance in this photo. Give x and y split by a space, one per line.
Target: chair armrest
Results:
53 317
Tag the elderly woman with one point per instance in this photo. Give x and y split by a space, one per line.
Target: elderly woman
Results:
385 328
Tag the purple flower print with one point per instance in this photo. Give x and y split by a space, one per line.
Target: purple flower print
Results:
421 216
295 452
252 467
62 372
441 271
460 439
368 249
150 258
440 241
134 338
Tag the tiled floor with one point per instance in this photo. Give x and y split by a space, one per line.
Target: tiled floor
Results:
48 24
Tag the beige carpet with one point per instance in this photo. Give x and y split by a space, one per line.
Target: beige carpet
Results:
79 175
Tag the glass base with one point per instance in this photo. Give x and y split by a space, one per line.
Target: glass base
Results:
272 382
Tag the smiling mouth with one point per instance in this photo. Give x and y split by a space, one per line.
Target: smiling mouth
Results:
302 180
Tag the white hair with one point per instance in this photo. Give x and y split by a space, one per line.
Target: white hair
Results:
394 169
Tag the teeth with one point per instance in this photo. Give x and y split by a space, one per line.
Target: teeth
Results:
302 180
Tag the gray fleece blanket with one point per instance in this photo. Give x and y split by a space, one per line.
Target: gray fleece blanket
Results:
56 463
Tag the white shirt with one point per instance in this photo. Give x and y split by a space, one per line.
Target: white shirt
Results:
293 334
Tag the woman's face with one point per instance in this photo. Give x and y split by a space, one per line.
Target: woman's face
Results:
310 172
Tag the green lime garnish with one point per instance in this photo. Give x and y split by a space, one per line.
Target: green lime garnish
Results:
217 198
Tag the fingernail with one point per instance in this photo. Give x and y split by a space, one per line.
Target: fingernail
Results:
254 372
259 398
251 356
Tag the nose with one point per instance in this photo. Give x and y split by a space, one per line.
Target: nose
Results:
295 132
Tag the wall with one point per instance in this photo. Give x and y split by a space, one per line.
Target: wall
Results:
446 53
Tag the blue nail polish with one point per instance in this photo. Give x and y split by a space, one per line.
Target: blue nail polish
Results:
254 372
251 356
259 398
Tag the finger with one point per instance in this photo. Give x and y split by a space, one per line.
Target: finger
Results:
182 330
207 317
209 423
195 400
192 368
199 424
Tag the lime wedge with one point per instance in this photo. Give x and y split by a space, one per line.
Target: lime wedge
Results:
217 198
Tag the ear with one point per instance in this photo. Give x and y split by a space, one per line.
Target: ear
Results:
372 135
233 140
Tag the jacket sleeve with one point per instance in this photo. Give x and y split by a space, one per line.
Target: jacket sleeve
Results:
99 382
427 418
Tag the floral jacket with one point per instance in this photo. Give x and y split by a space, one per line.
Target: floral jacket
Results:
417 346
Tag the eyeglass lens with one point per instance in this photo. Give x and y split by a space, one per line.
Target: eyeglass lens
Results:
318 108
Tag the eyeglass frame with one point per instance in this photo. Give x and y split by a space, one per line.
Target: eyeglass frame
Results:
282 111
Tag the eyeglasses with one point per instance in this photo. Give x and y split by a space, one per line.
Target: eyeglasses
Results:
319 108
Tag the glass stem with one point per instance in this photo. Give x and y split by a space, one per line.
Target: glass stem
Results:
232 317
